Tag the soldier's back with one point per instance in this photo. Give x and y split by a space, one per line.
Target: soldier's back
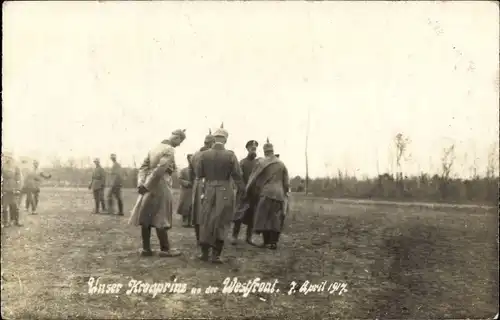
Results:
217 163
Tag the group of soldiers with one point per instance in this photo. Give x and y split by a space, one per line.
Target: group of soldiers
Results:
15 184
217 189
98 183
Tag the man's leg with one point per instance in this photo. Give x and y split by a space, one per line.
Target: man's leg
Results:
118 195
14 211
5 210
217 251
103 201
165 250
236 231
109 196
27 201
146 241
34 204
96 200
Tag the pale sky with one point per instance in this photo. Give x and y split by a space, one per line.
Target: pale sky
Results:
88 79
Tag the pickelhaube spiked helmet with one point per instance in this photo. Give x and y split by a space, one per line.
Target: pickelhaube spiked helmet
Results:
221 132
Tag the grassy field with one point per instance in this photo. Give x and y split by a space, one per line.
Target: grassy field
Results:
398 261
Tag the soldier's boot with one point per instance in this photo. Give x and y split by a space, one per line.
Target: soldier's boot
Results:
146 242
103 205
110 206
185 221
265 240
120 207
96 206
205 250
5 218
165 250
15 217
236 232
217 251
249 235
273 240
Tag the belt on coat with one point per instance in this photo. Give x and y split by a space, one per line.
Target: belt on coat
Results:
218 183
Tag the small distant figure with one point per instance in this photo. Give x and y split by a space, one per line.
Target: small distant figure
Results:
246 214
31 187
154 206
186 198
198 185
115 186
270 181
11 188
217 166
97 186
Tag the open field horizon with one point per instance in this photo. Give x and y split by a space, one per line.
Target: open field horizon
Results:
398 262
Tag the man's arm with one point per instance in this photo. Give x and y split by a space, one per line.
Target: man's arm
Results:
166 163
237 175
18 177
184 178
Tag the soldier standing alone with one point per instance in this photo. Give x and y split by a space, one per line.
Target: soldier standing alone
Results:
11 188
32 187
115 186
97 186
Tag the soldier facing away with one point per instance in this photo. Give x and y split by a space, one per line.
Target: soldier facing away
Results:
217 166
97 185
11 188
31 187
271 182
198 185
115 186
186 198
154 206
246 215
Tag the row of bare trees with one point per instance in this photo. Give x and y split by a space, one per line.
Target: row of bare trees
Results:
398 185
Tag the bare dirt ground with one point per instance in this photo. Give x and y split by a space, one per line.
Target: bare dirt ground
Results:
399 262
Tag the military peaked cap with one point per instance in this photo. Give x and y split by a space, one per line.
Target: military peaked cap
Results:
252 143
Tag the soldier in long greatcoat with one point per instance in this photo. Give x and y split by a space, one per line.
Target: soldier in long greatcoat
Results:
97 185
198 186
32 181
154 206
11 188
245 215
270 181
186 197
217 166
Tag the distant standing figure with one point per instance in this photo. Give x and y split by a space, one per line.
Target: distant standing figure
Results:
186 198
154 206
31 187
271 181
115 186
217 166
11 188
97 186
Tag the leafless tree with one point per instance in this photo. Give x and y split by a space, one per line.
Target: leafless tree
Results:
402 143
447 161
492 165
56 162
306 150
